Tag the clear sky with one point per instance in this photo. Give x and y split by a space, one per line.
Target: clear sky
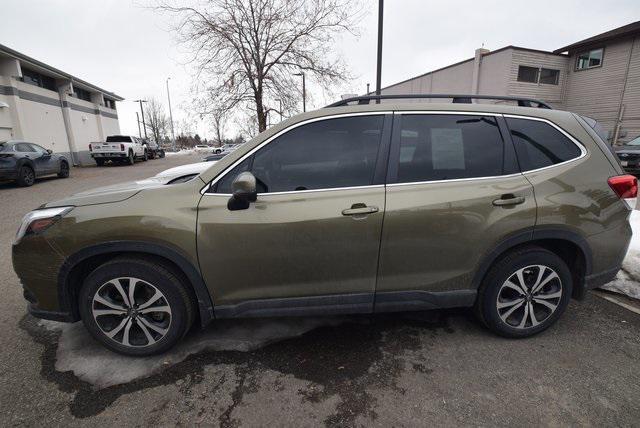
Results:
126 48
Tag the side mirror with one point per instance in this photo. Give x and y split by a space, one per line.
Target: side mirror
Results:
244 192
49 151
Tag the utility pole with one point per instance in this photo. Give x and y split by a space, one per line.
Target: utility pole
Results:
144 125
368 89
304 91
138 120
173 135
280 110
379 65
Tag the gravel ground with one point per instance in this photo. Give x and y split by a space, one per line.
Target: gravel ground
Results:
436 368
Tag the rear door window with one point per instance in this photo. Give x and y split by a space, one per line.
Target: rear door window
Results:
24 148
445 147
539 144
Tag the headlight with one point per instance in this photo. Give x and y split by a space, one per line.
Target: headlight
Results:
39 220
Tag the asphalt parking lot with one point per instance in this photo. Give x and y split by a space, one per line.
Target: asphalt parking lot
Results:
434 368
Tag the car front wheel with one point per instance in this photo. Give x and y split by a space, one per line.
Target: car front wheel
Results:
525 292
64 170
135 306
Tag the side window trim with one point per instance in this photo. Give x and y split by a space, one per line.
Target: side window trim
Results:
209 188
582 148
394 156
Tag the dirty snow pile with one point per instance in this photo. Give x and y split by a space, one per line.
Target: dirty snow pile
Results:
628 280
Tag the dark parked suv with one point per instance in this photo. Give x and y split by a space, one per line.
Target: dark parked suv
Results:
24 162
348 209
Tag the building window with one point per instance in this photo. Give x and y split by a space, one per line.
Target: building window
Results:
589 59
110 103
34 78
549 76
82 94
545 76
527 74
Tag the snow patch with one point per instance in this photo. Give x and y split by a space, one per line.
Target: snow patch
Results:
90 361
181 152
628 280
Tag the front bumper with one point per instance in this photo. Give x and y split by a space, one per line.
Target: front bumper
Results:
37 264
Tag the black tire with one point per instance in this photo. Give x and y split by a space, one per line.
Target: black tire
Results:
64 170
494 292
26 176
145 156
161 154
131 159
99 162
175 295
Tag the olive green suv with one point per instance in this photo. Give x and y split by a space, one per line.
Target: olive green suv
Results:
349 209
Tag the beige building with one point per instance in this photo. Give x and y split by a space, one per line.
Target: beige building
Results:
597 77
54 109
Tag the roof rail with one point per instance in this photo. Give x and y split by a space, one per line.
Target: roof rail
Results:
457 98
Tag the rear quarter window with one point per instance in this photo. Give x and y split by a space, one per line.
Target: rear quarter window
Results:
539 144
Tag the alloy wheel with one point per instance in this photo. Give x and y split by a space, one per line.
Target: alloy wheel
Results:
131 312
529 296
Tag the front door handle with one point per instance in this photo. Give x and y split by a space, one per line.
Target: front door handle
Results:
360 209
506 200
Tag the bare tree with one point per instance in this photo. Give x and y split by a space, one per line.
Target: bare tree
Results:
248 50
218 124
156 120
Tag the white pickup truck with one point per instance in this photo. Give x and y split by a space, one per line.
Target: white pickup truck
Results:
119 148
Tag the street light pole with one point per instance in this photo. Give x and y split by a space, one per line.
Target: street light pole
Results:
280 110
173 135
304 91
138 120
368 89
379 65
144 125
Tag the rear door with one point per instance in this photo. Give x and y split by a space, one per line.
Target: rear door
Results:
310 243
454 193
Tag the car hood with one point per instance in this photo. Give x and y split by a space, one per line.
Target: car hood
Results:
627 149
122 191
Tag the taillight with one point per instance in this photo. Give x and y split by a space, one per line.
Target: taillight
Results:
122 147
626 187
90 147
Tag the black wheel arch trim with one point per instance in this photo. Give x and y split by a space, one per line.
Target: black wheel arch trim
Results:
203 297
530 235
25 161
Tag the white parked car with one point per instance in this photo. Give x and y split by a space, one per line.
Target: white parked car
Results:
202 148
119 148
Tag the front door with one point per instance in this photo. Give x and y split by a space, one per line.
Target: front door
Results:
44 162
310 243
454 193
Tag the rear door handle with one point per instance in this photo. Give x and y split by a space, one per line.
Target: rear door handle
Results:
506 200
360 209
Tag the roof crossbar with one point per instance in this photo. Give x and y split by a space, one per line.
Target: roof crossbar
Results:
457 98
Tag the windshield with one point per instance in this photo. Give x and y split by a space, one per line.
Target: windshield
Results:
118 139
634 142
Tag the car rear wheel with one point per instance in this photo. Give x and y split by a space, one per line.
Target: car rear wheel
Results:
131 159
525 292
64 170
135 306
145 156
26 176
99 162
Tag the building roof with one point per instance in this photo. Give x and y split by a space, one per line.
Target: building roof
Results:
625 30
4 50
